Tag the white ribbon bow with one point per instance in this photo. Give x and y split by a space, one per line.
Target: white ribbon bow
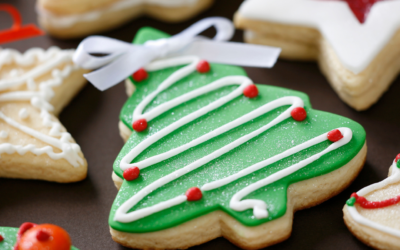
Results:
123 59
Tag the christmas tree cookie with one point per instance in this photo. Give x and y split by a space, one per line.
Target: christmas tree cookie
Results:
373 213
34 88
355 42
31 236
212 154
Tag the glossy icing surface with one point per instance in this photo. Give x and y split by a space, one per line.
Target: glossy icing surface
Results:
286 135
10 238
356 44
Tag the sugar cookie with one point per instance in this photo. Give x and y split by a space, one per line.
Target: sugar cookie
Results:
373 213
34 87
77 18
358 51
211 154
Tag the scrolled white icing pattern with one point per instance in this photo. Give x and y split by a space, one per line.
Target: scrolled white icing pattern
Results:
393 178
47 61
236 203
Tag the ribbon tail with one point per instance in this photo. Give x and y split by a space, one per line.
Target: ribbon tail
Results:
120 69
248 55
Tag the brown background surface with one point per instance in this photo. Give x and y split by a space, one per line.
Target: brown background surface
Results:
83 208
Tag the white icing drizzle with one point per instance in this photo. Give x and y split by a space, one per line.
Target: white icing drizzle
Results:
393 178
23 113
259 207
355 44
3 134
64 21
40 99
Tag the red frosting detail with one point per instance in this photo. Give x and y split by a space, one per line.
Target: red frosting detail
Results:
397 158
17 30
250 91
299 114
1 238
42 235
22 229
131 174
140 75
194 194
139 125
203 66
361 8
335 135
375 204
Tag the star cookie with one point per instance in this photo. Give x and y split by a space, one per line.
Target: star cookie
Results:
34 88
356 43
73 18
373 213
210 154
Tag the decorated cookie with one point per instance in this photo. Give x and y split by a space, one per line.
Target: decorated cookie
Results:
31 236
356 43
68 19
373 213
209 154
34 87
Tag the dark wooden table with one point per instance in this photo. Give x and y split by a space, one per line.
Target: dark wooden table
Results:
92 117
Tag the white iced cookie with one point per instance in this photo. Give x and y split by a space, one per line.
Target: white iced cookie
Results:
373 213
34 87
357 50
73 18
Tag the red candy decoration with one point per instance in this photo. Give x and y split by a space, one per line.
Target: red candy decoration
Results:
42 235
45 237
203 66
140 75
22 229
139 125
194 194
299 114
335 135
250 91
1 238
361 8
375 204
397 158
131 174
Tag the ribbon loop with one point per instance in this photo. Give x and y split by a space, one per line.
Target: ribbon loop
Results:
123 58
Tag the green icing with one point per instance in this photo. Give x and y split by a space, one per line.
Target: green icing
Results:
285 135
10 238
398 164
351 201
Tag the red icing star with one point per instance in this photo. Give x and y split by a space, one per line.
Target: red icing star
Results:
361 8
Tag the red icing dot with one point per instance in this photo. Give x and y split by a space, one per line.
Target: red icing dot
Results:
139 125
397 158
194 194
1 238
299 114
203 66
361 8
140 75
131 174
42 235
250 91
335 135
